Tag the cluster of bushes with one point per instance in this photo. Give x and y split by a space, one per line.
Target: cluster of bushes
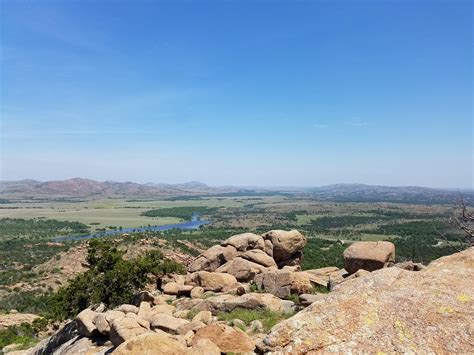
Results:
321 253
39 228
111 279
19 256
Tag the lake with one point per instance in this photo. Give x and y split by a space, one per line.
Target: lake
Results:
193 224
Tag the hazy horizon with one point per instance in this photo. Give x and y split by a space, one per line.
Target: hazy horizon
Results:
259 93
243 186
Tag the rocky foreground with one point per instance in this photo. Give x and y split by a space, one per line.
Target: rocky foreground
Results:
372 307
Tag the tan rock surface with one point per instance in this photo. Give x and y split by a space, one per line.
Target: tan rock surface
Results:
228 339
241 269
211 281
151 344
285 243
260 257
388 311
369 256
126 328
245 241
212 258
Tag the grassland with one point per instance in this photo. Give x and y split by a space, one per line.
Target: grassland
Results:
330 226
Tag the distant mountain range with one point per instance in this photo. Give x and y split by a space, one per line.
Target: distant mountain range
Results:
81 189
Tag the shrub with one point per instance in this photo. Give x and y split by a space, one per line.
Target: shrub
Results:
110 280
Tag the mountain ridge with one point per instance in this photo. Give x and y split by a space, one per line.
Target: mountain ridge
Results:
77 188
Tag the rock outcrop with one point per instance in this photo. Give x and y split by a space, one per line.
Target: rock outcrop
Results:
388 311
391 310
248 254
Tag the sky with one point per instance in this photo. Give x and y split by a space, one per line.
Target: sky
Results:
270 93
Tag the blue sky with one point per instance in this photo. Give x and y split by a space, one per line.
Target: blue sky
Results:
238 92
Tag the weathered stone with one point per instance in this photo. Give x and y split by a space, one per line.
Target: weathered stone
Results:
171 288
163 308
260 257
144 311
285 244
102 320
123 329
127 308
190 326
204 347
197 292
245 241
369 256
85 322
389 310
212 258
211 281
151 344
283 283
167 323
228 339
203 316
243 270
187 303
268 248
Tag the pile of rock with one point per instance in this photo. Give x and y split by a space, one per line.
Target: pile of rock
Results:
246 271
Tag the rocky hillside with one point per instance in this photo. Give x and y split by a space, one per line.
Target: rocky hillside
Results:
249 295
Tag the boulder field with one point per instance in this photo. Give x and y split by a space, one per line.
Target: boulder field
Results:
373 305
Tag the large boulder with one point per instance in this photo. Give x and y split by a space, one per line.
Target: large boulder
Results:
228 339
245 241
167 323
369 256
260 257
123 329
85 322
212 258
243 270
282 283
103 320
211 281
389 310
285 243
